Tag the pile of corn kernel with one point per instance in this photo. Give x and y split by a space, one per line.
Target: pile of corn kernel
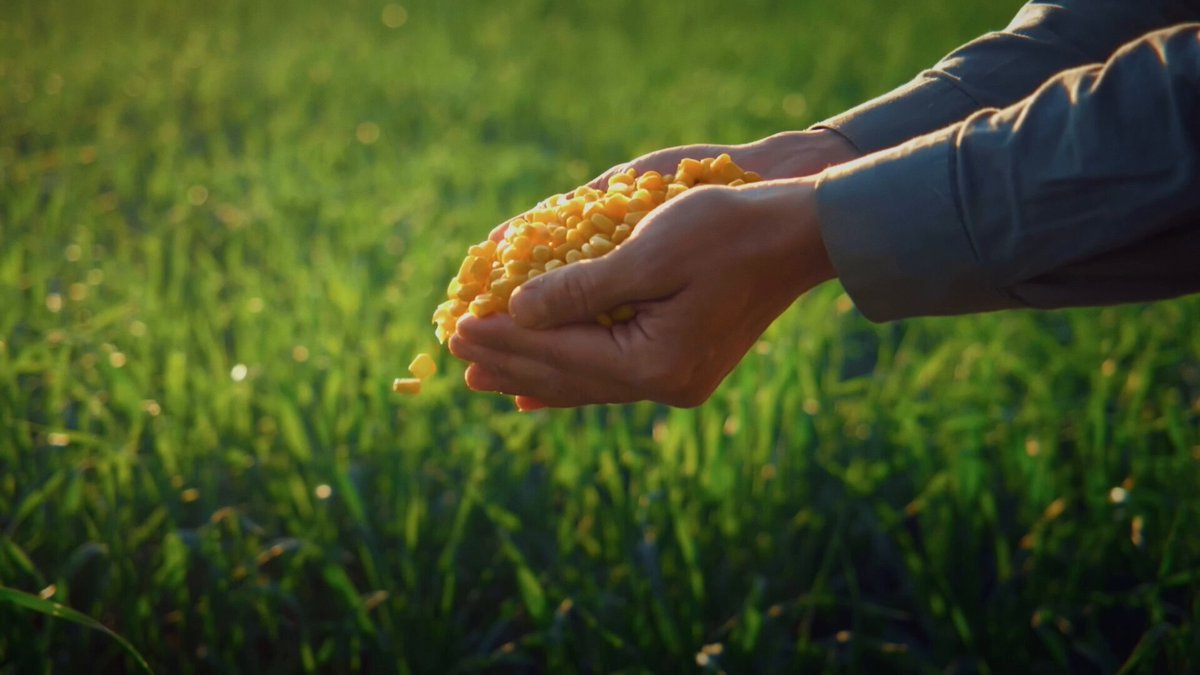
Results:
566 228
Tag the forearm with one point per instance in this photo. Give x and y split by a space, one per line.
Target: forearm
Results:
1087 192
1003 67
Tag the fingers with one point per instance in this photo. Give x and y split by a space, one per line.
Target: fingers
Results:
578 293
584 349
538 383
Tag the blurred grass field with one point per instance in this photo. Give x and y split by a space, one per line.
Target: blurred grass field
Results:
224 228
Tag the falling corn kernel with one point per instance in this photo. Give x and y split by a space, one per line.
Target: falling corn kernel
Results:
422 367
406 385
582 224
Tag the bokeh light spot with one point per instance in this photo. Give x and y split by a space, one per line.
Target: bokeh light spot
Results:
394 16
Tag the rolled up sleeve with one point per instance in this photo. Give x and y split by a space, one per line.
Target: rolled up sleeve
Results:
1086 192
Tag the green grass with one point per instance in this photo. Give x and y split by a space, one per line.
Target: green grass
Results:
183 190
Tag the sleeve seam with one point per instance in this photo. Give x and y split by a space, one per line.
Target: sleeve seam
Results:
953 82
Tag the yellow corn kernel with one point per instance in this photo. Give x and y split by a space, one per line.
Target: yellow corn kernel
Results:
587 252
586 228
634 217
603 223
736 182
422 367
558 235
497 273
483 305
651 180
480 268
572 207
616 206
503 288
516 268
620 189
465 274
484 249
621 233
620 178
510 254
600 245
553 264
572 221
675 190
575 237
591 208
467 291
719 162
534 273
521 243
560 251
574 255
543 216
752 177
728 172
406 385
690 167
540 253
623 313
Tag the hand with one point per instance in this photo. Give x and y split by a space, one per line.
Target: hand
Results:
790 154
707 273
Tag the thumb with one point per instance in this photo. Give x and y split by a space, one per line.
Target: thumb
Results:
578 292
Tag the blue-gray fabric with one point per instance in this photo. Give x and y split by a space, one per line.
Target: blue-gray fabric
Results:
1054 164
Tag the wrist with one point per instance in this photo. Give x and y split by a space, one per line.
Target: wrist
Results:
791 237
792 154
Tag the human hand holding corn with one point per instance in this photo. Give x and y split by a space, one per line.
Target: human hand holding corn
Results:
705 274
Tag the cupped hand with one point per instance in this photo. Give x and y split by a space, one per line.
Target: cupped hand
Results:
707 273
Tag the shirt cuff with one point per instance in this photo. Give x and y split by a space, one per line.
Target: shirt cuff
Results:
891 225
929 102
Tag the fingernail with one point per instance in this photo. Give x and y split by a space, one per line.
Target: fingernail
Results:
527 404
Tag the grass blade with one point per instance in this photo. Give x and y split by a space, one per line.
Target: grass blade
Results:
53 609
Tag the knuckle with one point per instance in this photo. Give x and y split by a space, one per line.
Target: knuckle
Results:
575 295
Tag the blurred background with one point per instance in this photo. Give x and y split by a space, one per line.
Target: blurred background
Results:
223 229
